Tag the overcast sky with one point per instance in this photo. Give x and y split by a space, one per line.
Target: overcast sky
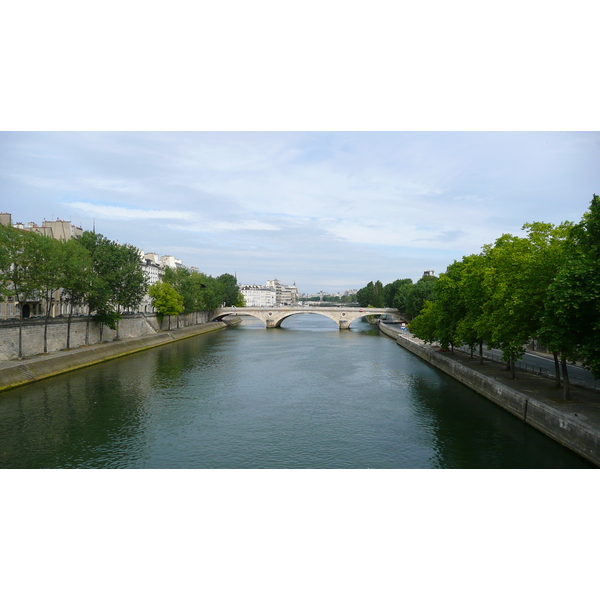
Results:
337 190
328 211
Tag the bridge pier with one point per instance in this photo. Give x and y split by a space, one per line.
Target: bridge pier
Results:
273 316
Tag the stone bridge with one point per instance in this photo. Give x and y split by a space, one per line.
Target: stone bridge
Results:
273 317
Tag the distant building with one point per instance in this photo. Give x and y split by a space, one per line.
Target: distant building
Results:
285 295
153 270
34 306
171 261
428 273
60 230
258 295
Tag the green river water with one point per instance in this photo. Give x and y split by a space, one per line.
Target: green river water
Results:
305 395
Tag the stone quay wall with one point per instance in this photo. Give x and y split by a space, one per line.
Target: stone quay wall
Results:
130 327
17 373
550 420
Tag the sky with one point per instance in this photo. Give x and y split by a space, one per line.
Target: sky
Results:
327 210
328 144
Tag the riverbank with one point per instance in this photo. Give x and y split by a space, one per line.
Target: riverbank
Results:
534 399
15 373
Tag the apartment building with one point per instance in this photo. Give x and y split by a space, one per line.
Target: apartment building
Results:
258 295
285 295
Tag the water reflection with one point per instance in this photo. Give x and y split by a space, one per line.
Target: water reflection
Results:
305 395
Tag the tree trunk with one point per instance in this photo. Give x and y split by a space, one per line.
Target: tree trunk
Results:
21 333
556 369
565 373
87 328
69 328
481 352
511 363
46 328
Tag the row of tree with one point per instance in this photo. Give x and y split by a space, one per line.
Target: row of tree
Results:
93 271
402 294
180 291
345 299
544 285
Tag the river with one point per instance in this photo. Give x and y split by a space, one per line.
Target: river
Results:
305 395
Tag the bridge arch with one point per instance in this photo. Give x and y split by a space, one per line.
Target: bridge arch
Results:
282 318
274 316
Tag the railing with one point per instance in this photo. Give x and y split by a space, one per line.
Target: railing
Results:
537 370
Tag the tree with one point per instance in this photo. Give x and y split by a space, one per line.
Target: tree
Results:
241 301
401 296
471 329
18 263
418 294
197 289
47 261
517 276
427 325
371 295
166 300
571 320
365 295
391 291
228 289
119 281
5 261
76 278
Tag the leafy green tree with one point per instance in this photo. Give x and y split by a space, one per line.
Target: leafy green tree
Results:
438 319
427 325
364 296
401 296
518 274
76 278
241 301
571 321
371 295
166 300
199 291
471 329
119 282
391 291
18 261
47 260
5 261
228 289
418 294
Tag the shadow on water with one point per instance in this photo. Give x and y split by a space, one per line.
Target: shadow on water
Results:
69 420
305 395
473 432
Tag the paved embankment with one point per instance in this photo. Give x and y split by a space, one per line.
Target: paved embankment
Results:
14 373
534 399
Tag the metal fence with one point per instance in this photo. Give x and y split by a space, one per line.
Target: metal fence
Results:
537 370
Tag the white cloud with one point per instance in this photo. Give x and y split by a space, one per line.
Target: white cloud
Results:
123 213
373 203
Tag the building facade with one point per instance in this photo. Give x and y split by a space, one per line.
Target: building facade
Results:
258 295
285 295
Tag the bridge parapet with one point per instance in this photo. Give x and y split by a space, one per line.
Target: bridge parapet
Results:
274 316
